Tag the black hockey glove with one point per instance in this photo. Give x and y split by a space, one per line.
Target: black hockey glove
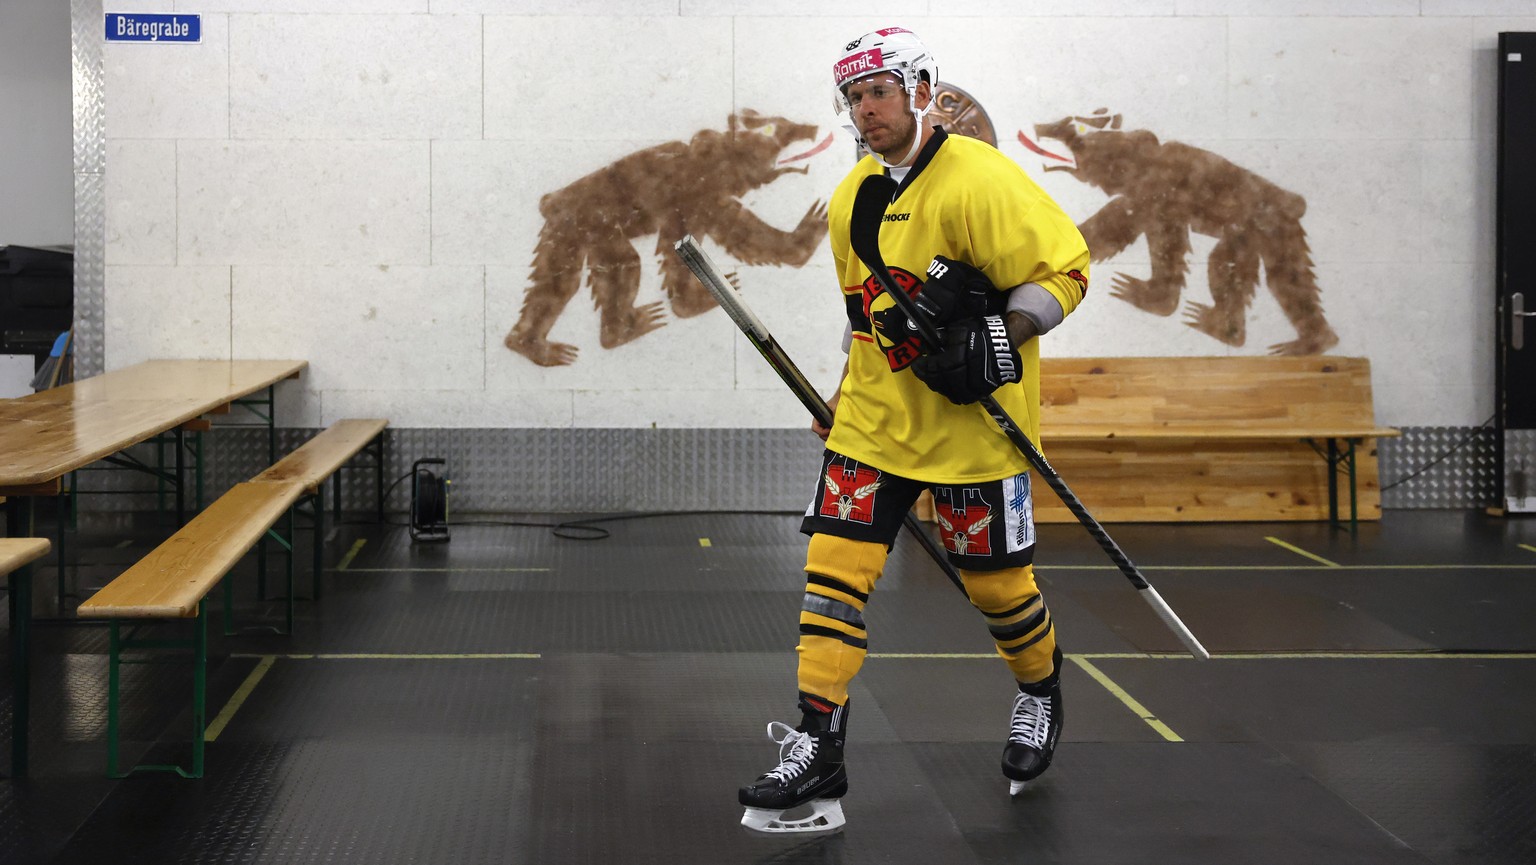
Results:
977 358
954 291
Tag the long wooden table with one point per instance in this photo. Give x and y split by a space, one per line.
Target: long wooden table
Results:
47 435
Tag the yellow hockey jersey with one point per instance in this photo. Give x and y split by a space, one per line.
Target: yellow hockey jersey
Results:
965 200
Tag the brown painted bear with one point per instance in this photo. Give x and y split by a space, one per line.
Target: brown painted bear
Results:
1165 190
668 190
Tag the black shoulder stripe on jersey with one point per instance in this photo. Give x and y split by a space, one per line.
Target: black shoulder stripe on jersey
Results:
856 316
923 159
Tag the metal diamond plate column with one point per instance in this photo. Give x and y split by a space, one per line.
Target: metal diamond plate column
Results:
90 182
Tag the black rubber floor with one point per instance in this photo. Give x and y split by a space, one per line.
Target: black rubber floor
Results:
515 697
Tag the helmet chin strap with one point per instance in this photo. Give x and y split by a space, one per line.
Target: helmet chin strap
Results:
917 133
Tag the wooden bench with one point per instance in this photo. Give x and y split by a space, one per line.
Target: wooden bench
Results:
173 581
1162 439
16 553
323 457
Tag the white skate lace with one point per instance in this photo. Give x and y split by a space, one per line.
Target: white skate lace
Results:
1031 723
796 751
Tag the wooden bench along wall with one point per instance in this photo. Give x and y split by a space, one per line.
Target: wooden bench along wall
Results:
1175 439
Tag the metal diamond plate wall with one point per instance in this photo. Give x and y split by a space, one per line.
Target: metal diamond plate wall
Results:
1467 478
614 470
90 186
524 470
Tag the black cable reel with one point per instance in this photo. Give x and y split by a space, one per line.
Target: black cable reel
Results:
429 502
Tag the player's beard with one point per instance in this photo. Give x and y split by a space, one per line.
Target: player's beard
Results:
898 151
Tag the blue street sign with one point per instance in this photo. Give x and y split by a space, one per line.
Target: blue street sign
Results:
136 27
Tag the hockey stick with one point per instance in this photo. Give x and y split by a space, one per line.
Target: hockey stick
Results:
757 333
874 195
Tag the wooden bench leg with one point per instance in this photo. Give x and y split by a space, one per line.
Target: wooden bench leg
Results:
1333 483
318 503
112 700
199 646
261 580
1345 457
19 520
380 470
199 690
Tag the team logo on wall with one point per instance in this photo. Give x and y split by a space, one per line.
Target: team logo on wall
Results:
964 523
959 112
849 489
1163 191
693 187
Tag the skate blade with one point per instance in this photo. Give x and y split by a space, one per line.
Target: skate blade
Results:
826 817
1016 787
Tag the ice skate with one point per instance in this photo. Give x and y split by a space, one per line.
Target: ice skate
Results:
1033 730
809 781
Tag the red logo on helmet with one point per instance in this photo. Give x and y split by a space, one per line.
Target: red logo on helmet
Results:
865 61
848 491
889 30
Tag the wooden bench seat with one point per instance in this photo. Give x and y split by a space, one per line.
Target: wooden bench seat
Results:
172 582
1154 439
316 460
173 579
16 553
320 457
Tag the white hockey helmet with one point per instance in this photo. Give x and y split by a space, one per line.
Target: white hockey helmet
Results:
892 49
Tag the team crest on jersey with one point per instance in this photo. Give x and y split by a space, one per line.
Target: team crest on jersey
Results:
849 489
964 523
878 309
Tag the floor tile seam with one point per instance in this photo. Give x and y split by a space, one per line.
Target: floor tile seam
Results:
906 656
1384 655
1047 568
1349 802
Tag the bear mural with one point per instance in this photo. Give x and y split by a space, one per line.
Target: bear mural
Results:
1165 190
668 190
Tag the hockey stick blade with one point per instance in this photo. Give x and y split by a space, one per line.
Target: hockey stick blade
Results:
719 286
869 205
758 334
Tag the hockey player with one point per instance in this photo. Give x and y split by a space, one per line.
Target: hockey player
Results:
995 263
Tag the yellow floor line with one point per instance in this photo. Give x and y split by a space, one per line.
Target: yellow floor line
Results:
1301 552
238 699
1130 702
1528 547
351 554
704 542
